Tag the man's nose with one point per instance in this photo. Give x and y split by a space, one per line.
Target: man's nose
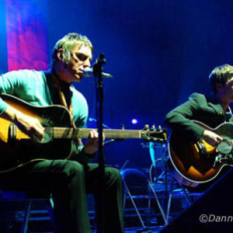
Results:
87 63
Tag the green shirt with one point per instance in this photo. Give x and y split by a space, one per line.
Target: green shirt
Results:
32 87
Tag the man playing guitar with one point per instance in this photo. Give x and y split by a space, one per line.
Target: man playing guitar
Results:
67 180
196 148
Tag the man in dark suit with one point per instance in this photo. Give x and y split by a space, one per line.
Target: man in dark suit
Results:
210 111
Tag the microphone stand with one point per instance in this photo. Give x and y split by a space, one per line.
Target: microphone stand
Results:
97 71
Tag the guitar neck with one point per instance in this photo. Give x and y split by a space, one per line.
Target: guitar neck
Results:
59 117
70 133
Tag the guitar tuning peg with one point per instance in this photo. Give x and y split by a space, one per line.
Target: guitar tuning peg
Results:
152 127
159 127
146 127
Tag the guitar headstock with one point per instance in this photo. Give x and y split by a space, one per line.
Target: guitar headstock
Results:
154 134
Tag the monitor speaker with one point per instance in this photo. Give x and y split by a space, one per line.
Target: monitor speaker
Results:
212 212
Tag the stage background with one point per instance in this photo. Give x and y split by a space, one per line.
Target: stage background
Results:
159 52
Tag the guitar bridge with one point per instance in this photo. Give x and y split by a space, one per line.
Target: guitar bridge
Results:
202 148
12 132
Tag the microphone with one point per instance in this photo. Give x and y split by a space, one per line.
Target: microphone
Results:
88 72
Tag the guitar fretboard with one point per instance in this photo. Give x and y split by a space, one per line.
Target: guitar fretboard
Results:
69 133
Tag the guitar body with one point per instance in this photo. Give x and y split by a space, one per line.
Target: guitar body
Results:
17 149
197 163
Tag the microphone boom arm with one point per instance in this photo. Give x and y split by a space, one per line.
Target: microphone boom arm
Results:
88 72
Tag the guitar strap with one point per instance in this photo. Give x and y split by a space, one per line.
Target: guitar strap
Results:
65 93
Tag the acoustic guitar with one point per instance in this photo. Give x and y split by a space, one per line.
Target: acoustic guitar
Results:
17 149
197 163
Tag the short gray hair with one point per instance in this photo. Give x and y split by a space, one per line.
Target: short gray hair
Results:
68 43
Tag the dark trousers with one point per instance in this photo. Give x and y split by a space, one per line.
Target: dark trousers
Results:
69 182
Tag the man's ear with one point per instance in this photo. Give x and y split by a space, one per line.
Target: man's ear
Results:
219 87
60 54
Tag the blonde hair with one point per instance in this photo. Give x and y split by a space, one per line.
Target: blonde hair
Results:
68 43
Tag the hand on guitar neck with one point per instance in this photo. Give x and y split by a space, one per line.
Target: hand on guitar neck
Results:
212 138
91 146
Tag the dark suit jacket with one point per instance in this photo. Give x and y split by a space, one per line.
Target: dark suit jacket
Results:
200 108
